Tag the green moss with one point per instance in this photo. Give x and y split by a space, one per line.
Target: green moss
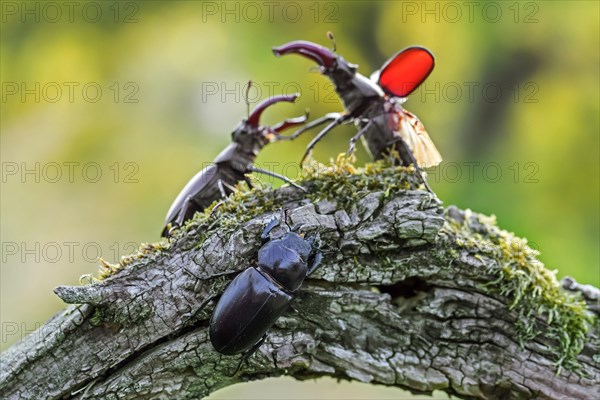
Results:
343 182
533 290
596 357
98 317
107 269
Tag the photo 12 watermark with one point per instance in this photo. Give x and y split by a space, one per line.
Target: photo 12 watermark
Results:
52 12
71 92
13 331
489 172
69 172
526 172
291 12
518 12
472 92
240 92
475 92
64 252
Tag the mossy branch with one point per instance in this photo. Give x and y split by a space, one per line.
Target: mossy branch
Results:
410 295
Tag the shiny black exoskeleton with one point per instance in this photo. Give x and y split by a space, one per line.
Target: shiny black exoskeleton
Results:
231 166
258 296
374 106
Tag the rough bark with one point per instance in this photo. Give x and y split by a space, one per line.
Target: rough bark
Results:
398 301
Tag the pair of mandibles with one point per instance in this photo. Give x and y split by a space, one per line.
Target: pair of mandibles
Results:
373 104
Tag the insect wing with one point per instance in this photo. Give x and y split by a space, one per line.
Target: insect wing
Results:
405 71
413 132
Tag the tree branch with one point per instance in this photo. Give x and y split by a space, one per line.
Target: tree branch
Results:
409 295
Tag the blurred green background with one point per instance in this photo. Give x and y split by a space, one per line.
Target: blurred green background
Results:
109 108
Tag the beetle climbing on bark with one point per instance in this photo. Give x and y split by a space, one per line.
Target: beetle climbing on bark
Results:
256 298
375 104
231 165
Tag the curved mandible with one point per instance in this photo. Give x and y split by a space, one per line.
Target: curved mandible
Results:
290 123
319 54
254 118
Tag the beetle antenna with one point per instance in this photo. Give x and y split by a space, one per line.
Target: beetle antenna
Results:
284 216
332 38
246 98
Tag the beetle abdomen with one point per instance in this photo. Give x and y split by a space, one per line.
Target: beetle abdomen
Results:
248 308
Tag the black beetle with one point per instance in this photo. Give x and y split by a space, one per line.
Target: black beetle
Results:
374 104
258 296
231 166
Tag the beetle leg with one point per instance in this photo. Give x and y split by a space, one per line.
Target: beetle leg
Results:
296 227
341 119
314 239
411 158
221 188
252 168
166 232
224 185
171 230
247 354
314 263
185 209
420 171
219 204
285 218
316 257
248 181
270 226
310 125
354 138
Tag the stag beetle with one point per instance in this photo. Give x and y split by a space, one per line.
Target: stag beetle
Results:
231 165
258 296
375 104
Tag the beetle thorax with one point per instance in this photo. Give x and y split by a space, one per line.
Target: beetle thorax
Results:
354 89
247 141
285 260
342 74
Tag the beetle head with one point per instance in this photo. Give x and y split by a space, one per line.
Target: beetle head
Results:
250 135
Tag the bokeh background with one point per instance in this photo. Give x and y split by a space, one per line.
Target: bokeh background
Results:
109 108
